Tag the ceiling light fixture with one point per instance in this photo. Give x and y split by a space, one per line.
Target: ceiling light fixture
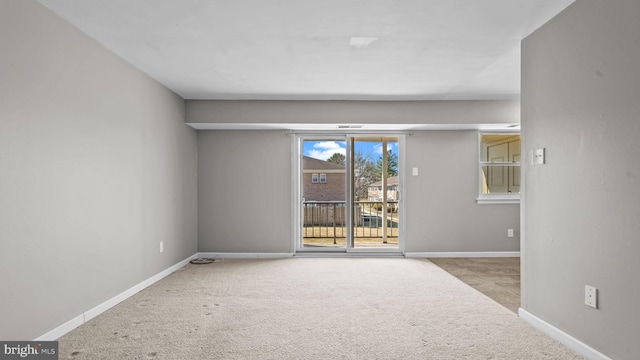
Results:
361 42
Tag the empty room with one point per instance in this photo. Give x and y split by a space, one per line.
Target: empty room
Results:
318 180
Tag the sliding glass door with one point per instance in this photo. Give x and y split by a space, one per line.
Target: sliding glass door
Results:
349 192
375 195
323 179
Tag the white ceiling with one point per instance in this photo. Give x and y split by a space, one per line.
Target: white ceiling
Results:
296 49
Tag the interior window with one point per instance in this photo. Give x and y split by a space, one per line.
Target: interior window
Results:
499 167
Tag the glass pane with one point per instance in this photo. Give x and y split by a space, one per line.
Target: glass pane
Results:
500 179
500 148
375 212
323 193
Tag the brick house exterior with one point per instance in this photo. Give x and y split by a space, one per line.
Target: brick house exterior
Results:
322 180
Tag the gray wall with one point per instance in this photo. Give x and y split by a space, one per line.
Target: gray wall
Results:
244 197
244 188
581 215
354 112
97 166
441 210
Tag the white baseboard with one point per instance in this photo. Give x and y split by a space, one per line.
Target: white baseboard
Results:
342 254
561 336
62 329
91 313
223 255
469 254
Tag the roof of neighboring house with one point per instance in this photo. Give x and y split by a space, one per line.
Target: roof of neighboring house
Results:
309 163
390 181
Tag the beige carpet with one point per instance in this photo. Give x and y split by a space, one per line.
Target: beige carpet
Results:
310 308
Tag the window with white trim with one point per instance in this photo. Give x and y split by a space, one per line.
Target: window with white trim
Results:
314 178
499 168
323 178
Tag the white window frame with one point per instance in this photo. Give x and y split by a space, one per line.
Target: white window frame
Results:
314 178
323 178
485 199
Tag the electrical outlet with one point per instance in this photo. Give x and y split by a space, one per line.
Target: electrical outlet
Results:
161 246
415 171
510 233
591 296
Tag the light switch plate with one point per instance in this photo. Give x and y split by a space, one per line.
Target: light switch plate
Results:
415 171
538 156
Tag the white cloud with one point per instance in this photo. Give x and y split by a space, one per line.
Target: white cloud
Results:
327 145
325 149
377 148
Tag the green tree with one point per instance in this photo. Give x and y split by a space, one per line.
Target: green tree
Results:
392 165
337 158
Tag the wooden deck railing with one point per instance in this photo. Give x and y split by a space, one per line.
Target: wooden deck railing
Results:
327 219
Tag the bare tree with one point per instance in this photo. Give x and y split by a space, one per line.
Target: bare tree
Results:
364 170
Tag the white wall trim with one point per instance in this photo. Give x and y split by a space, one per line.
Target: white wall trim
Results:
469 254
497 201
91 313
62 329
343 254
561 336
224 255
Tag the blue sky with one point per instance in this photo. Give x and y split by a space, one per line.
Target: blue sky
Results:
323 149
